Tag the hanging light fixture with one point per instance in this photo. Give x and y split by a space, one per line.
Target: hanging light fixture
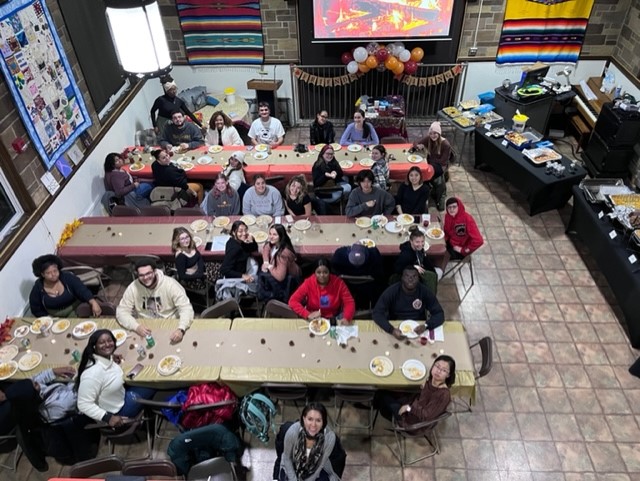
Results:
138 36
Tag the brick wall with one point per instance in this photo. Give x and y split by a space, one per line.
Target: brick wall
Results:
627 51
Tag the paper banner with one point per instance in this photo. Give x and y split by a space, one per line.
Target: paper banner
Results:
313 79
448 75
422 82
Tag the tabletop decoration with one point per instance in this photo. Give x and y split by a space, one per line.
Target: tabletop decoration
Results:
68 231
5 329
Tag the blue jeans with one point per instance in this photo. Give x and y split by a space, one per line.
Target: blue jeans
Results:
144 189
131 407
335 196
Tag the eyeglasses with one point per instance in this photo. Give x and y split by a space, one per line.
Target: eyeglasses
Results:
145 274
443 370
184 237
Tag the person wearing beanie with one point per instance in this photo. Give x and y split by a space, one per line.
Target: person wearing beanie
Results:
221 131
235 173
438 150
358 260
460 230
168 103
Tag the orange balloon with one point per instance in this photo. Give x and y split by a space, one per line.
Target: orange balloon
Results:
371 62
399 69
417 54
391 62
363 67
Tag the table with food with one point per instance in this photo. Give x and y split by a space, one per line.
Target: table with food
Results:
107 240
606 217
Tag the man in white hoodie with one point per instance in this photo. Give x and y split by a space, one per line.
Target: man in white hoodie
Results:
153 295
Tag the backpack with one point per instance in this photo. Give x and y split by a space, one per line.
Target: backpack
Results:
209 393
256 413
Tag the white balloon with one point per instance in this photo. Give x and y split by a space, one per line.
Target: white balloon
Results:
352 67
400 46
372 47
360 54
404 55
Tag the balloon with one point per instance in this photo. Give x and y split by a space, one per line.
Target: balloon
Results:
363 67
372 47
410 67
404 55
346 58
399 68
360 54
417 54
428 172
371 62
400 46
382 54
391 63
352 67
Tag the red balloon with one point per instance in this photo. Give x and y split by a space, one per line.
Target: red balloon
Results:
428 170
382 54
410 67
346 57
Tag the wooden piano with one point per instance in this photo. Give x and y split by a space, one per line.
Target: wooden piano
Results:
584 120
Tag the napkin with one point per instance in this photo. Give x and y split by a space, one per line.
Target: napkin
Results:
438 334
219 242
345 333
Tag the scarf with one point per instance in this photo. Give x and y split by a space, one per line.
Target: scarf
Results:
303 465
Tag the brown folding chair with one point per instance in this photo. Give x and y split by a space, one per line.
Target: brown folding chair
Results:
345 393
222 309
486 350
426 430
214 469
278 310
90 277
5 440
93 467
84 310
125 211
151 469
287 392
188 212
126 433
155 211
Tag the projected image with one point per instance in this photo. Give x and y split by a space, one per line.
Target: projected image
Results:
340 19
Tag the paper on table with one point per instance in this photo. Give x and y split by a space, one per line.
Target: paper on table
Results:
345 333
219 243
439 334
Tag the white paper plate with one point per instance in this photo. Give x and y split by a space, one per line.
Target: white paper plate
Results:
84 329
260 236
380 219
318 147
186 166
30 361
366 162
120 335
214 149
260 155
336 146
40 321
381 366
262 147
363 222
435 233
136 167
354 148
7 369
205 160
169 365
407 329
415 158
393 227
367 242
346 164
8 352
302 224
264 219
198 225
60 326
248 219
221 221
405 219
319 326
414 370
21 331
197 241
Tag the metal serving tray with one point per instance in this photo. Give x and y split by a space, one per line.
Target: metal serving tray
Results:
591 188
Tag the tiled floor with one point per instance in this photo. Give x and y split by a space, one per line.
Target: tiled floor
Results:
559 403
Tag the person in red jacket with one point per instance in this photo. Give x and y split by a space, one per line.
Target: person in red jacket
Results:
460 230
323 295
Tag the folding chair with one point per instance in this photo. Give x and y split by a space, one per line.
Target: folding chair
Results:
486 349
93 467
155 211
5 440
214 469
287 392
455 268
279 310
344 393
222 309
150 469
90 277
125 211
426 430
188 212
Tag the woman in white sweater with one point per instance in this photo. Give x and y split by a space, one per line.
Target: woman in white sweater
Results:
221 131
102 395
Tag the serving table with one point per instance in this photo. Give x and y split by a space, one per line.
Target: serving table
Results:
107 240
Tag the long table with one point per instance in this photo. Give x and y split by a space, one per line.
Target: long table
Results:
107 240
543 191
612 256
281 161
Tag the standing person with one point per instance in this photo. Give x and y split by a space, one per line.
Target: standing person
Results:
359 131
367 199
222 199
262 199
179 133
439 153
221 131
235 173
151 296
166 174
130 190
321 129
266 129
460 230
326 172
297 200
380 168
413 193
168 103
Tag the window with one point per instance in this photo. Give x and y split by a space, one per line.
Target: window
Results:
10 210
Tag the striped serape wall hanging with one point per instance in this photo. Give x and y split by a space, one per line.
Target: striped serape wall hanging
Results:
221 32
549 32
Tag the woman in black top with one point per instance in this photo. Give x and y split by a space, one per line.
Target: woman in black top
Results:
321 130
413 193
189 262
167 103
297 201
239 249
326 172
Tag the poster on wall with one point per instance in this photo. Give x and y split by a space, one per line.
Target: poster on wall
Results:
40 78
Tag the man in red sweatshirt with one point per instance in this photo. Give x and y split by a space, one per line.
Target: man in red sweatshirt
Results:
460 230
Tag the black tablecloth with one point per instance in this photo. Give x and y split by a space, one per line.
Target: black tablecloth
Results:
612 256
543 191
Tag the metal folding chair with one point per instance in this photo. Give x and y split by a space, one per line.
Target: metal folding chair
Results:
426 430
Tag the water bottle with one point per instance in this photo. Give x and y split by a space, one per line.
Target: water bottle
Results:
150 341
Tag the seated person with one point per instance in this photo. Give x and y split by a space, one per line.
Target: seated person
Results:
367 200
380 168
222 199
278 254
185 135
57 293
262 198
309 450
407 299
168 103
438 150
240 263
192 271
429 404
235 174
412 253
266 129
297 200
359 131
358 260
413 193
130 191
102 395
326 172
321 129
221 131
323 295
153 295
460 230
166 174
